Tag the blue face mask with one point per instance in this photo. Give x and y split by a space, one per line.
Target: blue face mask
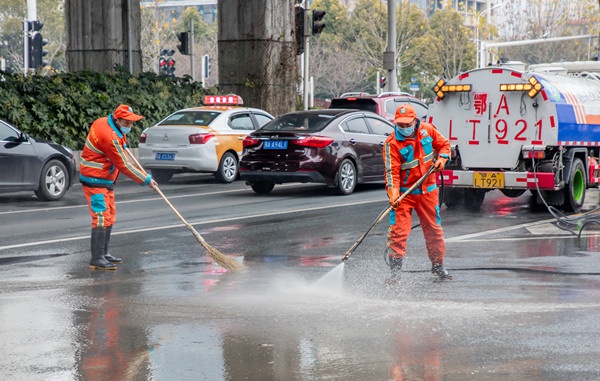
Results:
406 131
125 130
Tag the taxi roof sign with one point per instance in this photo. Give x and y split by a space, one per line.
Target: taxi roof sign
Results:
230 99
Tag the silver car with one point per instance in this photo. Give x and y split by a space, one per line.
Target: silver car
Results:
199 139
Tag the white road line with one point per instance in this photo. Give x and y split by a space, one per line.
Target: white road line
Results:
203 222
475 237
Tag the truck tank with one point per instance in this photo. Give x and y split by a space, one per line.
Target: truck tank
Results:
516 130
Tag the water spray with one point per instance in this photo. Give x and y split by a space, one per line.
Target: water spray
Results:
385 213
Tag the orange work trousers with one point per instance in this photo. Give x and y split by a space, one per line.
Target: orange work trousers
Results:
427 208
101 204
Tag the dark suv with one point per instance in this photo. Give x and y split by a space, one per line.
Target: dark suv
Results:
384 104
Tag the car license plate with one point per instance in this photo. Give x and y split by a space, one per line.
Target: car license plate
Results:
488 180
275 144
165 156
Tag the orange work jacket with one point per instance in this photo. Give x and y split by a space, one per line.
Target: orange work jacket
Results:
103 156
408 159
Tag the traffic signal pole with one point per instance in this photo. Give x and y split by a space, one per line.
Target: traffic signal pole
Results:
389 56
305 88
31 16
191 45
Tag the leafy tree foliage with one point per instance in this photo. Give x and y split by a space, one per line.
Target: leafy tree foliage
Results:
61 107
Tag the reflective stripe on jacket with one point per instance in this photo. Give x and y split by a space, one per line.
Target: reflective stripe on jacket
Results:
408 159
103 156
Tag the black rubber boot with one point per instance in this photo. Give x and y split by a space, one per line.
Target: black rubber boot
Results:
98 262
396 267
440 271
108 256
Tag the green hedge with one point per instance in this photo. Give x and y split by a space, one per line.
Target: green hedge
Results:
62 107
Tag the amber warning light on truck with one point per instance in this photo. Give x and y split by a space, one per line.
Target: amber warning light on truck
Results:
532 88
440 88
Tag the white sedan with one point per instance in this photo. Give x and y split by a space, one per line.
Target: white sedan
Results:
201 139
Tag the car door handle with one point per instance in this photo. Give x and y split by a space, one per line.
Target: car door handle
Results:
352 141
381 143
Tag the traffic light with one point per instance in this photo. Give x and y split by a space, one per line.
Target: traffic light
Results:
166 62
36 45
184 46
299 29
162 62
382 82
317 21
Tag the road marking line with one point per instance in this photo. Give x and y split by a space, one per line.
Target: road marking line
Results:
204 222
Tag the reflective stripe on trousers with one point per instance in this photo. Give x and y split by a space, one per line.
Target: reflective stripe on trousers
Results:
427 208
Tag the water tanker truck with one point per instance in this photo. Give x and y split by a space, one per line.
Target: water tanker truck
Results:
516 130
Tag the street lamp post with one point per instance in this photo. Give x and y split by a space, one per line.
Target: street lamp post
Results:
480 58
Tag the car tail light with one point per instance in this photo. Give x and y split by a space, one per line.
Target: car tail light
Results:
200 138
250 142
143 138
314 141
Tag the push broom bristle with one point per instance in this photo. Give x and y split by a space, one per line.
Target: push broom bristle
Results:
222 259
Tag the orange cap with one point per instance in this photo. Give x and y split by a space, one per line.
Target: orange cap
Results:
405 114
126 112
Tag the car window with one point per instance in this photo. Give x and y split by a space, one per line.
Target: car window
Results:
199 118
241 121
379 127
356 125
391 105
354 103
262 119
7 134
299 122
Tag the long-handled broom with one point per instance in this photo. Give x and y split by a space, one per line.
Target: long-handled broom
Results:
385 213
222 259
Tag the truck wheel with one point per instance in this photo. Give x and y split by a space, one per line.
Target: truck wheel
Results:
453 197
474 199
575 190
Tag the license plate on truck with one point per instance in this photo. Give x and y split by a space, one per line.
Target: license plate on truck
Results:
165 156
488 180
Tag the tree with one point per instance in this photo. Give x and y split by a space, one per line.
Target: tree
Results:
447 49
545 19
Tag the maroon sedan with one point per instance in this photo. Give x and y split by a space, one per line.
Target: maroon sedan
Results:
337 147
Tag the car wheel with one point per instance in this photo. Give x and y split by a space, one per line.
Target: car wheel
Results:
575 190
162 175
228 168
263 187
54 181
346 177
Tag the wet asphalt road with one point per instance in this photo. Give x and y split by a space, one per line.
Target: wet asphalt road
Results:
523 304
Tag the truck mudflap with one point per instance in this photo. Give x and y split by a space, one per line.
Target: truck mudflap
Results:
497 180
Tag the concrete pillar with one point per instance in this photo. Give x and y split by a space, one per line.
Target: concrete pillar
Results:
101 33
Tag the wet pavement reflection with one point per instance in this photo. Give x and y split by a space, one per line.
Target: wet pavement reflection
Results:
522 305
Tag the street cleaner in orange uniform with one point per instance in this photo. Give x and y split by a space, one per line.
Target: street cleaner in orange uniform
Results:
408 154
102 159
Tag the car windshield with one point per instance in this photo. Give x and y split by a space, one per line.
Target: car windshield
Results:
355 103
194 118
299 122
